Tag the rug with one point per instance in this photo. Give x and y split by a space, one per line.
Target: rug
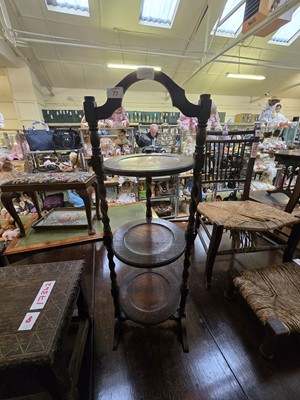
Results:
36 239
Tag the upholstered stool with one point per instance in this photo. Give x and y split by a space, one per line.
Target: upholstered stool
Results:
82 182
273 293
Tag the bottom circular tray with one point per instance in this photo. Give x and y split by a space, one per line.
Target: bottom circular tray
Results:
149 297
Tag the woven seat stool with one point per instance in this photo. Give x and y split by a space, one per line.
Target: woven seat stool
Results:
273 293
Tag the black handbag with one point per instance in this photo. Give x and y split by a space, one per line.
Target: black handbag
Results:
39 139
66 139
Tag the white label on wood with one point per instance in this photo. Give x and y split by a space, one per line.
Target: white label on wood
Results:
43 295
145 73
115 93
28 321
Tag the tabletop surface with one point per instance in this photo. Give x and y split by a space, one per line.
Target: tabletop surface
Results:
292 153
20 289
143 165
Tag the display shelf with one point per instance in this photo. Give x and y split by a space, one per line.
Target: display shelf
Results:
33 160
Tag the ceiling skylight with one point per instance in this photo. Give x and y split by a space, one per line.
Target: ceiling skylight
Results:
158 13
289 32
75 7
232 26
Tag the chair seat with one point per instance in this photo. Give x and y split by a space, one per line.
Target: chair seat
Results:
273 292
245 215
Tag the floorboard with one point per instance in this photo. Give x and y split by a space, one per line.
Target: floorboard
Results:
223 362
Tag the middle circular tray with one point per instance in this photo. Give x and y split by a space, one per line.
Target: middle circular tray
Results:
149 244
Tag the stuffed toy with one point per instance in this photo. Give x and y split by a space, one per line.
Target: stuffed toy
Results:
122 144
118 119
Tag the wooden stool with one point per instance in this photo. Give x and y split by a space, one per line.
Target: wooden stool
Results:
273 293
36 360
82 182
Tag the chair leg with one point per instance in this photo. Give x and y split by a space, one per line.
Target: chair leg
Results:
230 289
292 243
214 244
274 330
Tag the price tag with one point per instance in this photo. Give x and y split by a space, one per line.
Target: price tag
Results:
43 295
145 73
28 321
115 93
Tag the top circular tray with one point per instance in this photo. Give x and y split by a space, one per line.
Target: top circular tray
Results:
143 165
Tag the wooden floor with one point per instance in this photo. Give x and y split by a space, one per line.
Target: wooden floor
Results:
223 362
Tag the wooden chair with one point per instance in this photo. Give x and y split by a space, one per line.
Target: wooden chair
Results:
228 167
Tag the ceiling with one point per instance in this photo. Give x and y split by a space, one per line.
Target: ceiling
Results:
67 51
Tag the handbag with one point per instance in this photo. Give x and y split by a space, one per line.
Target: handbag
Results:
39 139
66 139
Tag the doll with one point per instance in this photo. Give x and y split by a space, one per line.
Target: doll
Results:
187 124
121 144
7 221
16 151
118 119
10 233
107 147
189 146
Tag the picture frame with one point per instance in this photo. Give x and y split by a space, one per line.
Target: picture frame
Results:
63 218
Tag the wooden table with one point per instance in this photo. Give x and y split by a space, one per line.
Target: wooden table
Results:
82 182
291 161
35 360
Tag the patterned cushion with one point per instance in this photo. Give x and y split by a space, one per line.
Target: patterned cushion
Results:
51 178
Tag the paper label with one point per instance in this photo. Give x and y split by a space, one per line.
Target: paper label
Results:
28 321
43 295
115 93
145 73
297 261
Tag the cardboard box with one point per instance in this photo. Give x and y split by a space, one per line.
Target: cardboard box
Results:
255 12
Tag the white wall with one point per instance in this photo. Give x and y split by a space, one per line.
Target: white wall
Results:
22 99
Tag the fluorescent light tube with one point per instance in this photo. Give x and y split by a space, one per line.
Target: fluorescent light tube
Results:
128 66
243 76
